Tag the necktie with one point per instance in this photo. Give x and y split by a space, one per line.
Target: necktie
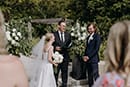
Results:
62 37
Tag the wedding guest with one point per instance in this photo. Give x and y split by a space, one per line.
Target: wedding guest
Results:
12 73
61 44
117 55
91 56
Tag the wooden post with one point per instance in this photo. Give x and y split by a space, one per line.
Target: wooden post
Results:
29 30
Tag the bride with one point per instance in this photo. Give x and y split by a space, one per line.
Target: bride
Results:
44 51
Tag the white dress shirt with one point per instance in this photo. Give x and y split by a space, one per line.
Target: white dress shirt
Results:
62 36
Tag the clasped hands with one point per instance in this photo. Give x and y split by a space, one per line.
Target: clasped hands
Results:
85 58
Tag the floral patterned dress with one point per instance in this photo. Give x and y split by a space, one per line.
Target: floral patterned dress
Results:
109 80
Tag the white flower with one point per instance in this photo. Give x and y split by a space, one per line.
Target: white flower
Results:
72 29
83 38
84 34
13 34
83 28
13 42
78 25
8 32
14 30
16 38
7 24
19 34
78 33
9 37
58 58
72 34
79 38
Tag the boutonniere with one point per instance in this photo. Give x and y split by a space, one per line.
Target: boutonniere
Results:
91 38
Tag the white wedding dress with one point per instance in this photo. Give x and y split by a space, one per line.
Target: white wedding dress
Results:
47 75
39 70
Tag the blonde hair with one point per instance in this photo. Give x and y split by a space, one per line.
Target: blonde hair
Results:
48 36
3 39
117 52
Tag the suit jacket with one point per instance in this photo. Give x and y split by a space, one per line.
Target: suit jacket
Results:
64 45
92 48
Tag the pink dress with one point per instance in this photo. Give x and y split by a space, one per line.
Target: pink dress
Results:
109 80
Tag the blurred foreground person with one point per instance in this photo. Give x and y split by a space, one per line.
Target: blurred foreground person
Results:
117 55
12 72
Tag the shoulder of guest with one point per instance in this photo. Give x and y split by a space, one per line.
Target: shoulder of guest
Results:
16 60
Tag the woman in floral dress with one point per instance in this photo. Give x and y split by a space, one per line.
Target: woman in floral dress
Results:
117 55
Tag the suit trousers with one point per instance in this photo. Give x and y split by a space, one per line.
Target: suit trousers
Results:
93 72
64 73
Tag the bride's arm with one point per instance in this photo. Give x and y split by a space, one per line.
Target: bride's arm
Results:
50 56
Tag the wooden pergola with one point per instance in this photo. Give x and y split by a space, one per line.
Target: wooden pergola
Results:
45 21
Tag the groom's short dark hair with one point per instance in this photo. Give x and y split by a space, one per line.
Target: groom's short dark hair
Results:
62 20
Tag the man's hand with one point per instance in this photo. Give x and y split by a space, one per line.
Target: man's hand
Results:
85 58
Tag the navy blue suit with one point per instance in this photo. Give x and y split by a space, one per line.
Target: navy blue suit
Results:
91 51
64 51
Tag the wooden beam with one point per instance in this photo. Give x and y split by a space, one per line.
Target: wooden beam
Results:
50 21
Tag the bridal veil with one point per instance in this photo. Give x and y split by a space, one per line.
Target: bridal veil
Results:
37 52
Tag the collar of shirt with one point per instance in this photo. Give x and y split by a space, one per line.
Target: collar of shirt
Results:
91 35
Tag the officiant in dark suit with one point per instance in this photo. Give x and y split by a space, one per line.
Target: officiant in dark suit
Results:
91 56
61 44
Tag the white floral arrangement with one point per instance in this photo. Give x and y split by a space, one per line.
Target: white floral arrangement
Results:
78 34
13 35
58 58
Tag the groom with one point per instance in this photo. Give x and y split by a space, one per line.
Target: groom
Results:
91 56
61 44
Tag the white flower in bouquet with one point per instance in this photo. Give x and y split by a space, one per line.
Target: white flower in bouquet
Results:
58 58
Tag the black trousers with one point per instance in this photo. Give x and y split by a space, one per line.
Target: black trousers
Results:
93 72
64 73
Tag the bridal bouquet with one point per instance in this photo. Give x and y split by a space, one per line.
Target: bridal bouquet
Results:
58 58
